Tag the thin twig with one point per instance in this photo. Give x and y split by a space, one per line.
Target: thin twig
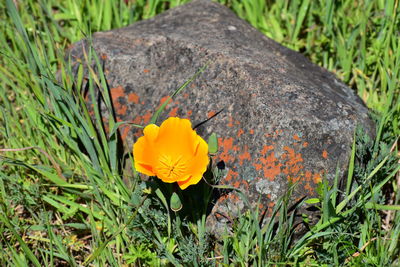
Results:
358 253
201 123
215 258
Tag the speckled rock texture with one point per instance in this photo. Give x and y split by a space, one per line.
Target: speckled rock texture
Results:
285 120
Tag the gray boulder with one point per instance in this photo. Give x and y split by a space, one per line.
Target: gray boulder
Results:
285 120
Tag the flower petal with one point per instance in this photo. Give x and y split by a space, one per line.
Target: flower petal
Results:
198 165
151 132
192 180
176 136
144 151
142 156
145 169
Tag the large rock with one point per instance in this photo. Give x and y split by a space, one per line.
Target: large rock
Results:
285 120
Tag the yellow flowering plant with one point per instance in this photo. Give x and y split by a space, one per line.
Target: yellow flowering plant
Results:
173 152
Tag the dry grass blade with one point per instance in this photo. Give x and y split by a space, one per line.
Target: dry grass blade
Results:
390 214
48 156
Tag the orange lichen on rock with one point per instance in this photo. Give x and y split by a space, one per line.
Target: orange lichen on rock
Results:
309 188
226 145
142 120
271 206
293 159
211 113
290 164
236 184
325 154
260 206
117 92
134 98
308 176
245 184
293 164
146 117
244 155
317 178
120 109
173 112
258 166
163 99
230 124
230 175
266 149
124 132
138 133
137 119
296 137
271 166
268 163
240 132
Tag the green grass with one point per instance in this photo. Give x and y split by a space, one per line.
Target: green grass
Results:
64 197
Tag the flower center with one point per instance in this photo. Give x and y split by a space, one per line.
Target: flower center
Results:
170 167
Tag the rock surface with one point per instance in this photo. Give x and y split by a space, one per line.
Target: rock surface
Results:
285 120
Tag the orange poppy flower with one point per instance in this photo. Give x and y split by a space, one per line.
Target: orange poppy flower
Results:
173 152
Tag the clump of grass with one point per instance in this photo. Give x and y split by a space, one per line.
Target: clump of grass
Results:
62 194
